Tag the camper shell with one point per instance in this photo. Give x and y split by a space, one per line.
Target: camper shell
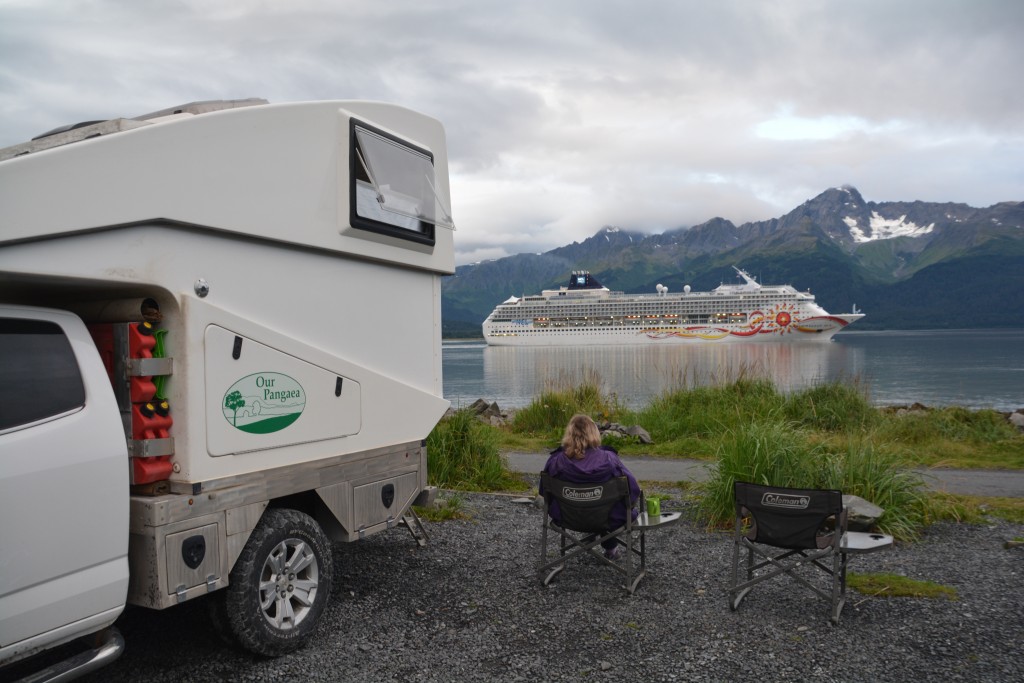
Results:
286 259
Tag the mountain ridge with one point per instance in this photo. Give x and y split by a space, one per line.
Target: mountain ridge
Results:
845 249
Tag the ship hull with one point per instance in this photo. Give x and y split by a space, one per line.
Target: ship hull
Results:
587 313
814 330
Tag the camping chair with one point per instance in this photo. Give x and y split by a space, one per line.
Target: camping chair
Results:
584 510
809 525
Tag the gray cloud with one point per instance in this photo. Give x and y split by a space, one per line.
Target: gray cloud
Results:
566 116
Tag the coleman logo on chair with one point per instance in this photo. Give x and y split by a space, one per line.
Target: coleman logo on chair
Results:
782 500
583 494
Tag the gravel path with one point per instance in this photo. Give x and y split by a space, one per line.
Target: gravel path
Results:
469 608
978 482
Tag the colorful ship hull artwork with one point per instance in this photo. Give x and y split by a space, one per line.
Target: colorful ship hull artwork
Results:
587 313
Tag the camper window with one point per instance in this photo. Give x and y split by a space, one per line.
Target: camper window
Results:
393 188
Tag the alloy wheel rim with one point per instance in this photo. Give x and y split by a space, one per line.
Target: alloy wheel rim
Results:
288 584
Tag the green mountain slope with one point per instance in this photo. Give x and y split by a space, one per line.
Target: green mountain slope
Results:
907 264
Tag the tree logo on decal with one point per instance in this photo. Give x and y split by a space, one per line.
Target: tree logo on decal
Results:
234 401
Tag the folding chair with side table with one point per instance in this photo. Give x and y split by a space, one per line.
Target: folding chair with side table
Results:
809 526
584 510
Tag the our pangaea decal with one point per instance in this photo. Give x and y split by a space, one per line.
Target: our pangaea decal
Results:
263 403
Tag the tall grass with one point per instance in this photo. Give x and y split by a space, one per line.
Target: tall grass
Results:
954 437
832 406
562 398
884 479
758 453
777 454
707 411
462 453
955 424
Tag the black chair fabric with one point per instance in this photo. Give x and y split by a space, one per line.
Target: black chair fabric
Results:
583 511
806 524
587 507
787 517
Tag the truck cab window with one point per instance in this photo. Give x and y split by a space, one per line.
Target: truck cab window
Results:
39 376
393 187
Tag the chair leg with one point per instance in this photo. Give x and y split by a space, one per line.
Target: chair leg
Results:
630 586
633 578
546 571
544 543
781 564
548 568
842 559
543 547
643 552
733 602
737 594
555 571
838 585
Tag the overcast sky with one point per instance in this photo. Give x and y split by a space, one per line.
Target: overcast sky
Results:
567 115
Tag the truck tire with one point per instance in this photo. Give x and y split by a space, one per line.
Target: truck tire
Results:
280 584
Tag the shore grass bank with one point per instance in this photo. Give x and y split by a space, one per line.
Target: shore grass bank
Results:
692 422
827 436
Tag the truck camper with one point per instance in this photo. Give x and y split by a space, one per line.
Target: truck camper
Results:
220 351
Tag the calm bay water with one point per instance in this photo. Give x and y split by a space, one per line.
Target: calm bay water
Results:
971 368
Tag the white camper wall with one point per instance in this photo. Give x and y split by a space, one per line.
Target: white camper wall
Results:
255 202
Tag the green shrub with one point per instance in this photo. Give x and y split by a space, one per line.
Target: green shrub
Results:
833 406
560 400
885 480
707 411
772 454
463 453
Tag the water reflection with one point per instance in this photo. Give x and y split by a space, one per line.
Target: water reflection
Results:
971 368
636 373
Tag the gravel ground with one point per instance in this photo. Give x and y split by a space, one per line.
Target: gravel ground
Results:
468 608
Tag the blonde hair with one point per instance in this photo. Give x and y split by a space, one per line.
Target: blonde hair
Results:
580 434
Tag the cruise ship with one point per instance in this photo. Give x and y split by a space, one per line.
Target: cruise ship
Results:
587 313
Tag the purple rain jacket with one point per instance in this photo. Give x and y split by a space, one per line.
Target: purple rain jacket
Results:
597 465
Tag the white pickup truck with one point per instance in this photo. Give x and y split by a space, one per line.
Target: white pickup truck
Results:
219 353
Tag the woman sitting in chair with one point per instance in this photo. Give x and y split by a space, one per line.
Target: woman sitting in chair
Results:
582 459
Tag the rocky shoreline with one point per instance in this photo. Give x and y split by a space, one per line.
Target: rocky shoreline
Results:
468 607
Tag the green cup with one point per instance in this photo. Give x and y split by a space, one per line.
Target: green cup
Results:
653 507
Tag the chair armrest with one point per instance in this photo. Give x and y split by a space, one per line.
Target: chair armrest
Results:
856 542
645 521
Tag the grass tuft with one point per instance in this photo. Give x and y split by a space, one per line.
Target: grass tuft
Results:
548 414
444 509
884 479
462 453
898 586
953 507
832 407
